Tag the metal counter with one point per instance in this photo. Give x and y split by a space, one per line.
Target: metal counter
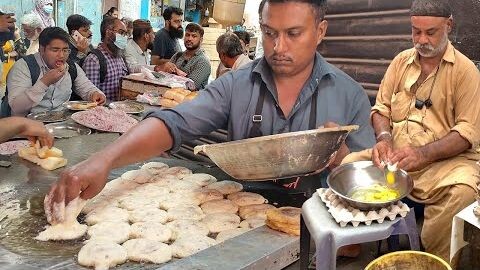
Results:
23 186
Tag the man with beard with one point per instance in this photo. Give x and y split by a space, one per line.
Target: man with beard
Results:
105 66
166 42
194 62
137 53
31 27
44 81
291 89
80 37
426 119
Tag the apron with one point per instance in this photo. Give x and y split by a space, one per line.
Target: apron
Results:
305 186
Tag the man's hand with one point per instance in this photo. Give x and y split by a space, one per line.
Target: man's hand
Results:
169 67
409 159
54 75
98 97
34 131
179 72
86 179
7 22
82 45
381 152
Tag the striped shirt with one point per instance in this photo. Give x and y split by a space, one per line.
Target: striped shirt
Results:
116 69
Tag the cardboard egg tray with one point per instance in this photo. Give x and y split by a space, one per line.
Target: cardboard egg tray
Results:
344 213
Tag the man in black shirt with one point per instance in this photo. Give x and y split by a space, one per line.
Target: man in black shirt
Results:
166 42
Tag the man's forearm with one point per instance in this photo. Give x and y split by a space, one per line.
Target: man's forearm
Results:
148 139
156 60
381 125
11 127
450 145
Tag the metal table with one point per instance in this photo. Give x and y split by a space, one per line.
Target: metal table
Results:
23 186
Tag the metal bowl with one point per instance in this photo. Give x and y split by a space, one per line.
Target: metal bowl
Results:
347 177
277 156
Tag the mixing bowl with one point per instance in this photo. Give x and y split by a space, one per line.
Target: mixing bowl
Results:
348 177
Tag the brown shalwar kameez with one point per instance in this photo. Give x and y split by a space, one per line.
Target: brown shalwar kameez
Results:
446 186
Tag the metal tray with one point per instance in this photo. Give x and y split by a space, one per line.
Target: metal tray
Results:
67 129
127 106
49 117
73 105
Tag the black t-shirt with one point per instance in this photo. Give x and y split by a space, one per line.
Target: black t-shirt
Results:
164 45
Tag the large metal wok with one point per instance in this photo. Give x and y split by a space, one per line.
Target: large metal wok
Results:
278 156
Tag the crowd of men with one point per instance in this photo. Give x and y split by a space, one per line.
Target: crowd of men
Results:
425 118
49 66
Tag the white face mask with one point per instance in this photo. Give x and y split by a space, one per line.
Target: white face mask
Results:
48 9
120 41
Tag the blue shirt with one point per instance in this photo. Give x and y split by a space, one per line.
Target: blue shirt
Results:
230 101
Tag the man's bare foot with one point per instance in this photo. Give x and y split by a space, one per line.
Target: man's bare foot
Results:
350 251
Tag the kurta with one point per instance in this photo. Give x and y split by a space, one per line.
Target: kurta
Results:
447 186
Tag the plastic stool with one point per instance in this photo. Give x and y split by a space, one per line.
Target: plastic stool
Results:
328 236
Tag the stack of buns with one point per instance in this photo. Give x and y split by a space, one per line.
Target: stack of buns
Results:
47 158
284 219
175 96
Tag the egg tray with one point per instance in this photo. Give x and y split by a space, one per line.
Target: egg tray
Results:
344 214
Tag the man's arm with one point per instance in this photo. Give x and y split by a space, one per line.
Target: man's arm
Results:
13 126
84 87
22 96
163 130
156 60
463 136
91 67
131 60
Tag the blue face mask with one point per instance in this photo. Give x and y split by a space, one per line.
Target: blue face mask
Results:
120 41
48 9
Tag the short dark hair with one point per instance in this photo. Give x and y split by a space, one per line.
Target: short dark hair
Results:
194 27
50 33
111 10
229 44
167 13
243 35
319 7
107 23
76 21
140 28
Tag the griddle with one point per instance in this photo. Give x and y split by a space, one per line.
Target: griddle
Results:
23 186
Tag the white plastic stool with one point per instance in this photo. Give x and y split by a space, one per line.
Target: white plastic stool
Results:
328 236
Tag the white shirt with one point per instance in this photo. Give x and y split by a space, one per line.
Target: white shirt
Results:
25 98
136 58
34 45
241 60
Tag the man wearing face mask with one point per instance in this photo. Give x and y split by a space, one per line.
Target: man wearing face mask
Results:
166 42
105 65
137 53
44 9
80 37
